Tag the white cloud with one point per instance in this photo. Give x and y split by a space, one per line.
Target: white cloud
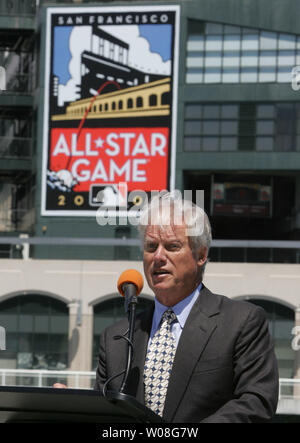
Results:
140 55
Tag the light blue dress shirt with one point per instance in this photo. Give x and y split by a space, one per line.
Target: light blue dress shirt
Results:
181 309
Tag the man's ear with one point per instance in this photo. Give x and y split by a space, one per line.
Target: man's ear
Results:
202 255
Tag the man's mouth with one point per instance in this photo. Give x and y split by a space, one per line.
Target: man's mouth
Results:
161 272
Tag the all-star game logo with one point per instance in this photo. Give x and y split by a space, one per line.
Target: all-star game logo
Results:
111 103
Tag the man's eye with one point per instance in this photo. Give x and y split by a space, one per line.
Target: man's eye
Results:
173 246
150 247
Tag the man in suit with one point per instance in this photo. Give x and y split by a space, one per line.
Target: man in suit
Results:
220 365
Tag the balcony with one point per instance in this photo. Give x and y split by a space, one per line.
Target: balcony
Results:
18 7
16 220
15 147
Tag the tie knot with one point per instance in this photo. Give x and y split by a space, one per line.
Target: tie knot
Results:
169 316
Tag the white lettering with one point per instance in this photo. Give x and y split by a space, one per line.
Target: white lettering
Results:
158 148
125 169
74 146
113 144
137 175
88 149
99 172
61 146
127 136
85 174
140 146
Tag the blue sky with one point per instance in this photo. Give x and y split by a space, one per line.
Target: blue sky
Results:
159 37
62 54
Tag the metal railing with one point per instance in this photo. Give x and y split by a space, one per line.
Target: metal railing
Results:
46 378
289 388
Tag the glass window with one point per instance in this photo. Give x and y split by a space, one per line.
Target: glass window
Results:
248 75
286 58
211 111
265 127
228 143
195 43
267 74
268 40
31 321
232 54
250 42
264 143
229 127
231 59
232 42
210 127
230 75
214 43
213 59
109 312
265 111
193 111
229 111
213 28
192 144
212 75
195 60
232 29
267 58
192 127
194 76
249 58
287 41
281 322
210 143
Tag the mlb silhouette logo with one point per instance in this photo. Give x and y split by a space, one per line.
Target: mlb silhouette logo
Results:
110 195
2 79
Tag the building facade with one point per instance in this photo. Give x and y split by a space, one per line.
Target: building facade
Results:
237 138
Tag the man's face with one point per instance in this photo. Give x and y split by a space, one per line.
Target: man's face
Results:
171 269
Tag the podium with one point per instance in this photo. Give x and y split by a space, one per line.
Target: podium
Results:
50 405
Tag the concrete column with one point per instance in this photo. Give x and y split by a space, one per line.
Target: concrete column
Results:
80 341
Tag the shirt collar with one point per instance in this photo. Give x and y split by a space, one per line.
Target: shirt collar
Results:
181 309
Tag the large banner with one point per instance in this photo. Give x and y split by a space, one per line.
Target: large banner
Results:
110 106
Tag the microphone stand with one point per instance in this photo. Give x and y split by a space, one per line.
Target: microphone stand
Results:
141 411
130 308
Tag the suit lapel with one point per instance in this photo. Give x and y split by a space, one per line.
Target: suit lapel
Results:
196 333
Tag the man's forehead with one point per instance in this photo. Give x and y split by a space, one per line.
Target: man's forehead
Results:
166 231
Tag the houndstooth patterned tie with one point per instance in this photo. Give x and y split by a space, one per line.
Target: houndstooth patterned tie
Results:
158 364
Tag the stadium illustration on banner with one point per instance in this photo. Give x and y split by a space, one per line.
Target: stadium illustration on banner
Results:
110 106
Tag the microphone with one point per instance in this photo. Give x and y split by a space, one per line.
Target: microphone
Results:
130 284
2 339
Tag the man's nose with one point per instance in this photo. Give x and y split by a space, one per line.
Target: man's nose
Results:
160 253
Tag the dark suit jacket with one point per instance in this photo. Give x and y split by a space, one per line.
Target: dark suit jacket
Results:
224 370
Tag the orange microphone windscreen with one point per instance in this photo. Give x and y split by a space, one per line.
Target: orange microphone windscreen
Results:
131 276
